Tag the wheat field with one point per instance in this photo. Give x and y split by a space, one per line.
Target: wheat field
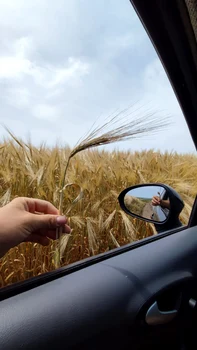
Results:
97 222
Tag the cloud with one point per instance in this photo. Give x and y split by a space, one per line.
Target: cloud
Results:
46 112
18 65
73 73
18 97
64 64
13 67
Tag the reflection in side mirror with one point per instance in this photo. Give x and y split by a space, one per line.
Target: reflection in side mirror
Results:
156 203
148 202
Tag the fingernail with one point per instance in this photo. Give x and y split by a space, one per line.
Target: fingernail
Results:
61 220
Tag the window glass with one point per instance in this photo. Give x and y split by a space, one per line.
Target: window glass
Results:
63 66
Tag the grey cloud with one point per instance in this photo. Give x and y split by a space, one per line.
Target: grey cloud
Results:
75 61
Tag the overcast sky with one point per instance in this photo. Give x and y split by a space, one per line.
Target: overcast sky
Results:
64 63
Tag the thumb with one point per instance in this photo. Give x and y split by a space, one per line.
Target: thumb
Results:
47 221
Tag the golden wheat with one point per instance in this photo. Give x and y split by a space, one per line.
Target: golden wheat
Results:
120 130
97 177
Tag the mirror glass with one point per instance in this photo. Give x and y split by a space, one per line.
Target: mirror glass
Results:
148 202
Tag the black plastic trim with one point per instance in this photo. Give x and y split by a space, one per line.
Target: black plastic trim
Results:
21 287
105 296
177 49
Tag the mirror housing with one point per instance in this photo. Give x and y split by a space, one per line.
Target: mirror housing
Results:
157 203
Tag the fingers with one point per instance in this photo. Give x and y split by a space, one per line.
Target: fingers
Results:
155 200
155 203
42 236
42 206
47 222
52 233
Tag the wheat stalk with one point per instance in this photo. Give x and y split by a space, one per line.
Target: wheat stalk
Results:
117 128
131 129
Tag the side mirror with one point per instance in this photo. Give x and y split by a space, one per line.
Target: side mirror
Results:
156 203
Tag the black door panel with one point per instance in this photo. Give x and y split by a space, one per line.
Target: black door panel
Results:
103 298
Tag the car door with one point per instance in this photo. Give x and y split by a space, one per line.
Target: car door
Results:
142 295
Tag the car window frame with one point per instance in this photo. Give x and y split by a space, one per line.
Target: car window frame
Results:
150 17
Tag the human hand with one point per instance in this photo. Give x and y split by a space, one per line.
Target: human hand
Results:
156 201
29 220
